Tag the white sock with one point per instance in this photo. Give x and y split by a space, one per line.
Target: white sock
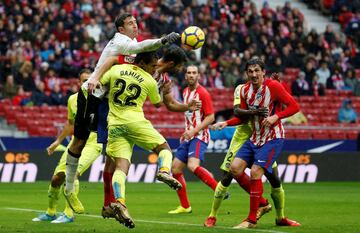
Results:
71 168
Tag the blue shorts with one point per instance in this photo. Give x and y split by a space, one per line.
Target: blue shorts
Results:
193 148
264 156
102 131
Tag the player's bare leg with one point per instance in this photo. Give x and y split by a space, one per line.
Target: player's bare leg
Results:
164 163
118 181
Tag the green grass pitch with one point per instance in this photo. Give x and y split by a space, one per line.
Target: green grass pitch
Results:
320 207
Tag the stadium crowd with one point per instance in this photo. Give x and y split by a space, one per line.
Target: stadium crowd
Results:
44 44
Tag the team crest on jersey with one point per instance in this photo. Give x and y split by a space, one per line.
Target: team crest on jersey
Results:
258 95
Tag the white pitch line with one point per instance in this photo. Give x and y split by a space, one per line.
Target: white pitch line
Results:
155 222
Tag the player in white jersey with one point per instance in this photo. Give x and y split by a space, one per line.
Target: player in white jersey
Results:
124 42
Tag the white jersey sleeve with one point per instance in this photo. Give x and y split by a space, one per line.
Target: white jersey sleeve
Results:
121 44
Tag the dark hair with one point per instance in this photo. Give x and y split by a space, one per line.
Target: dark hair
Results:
176 54
145 57
119 21
255 61
87 71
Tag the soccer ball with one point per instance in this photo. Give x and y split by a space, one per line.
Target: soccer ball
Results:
192 37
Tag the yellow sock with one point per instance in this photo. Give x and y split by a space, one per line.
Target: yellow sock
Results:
278 196
68 211
219 195
53 195
164 160
118 182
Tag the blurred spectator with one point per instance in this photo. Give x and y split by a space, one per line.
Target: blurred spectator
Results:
10 89
38 96
318 89
67 36
346 113
51 80
21 98
350 80
300 86
24 77
56 96
323 73
336 81
94 30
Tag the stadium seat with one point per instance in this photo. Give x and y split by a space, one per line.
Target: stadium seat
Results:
337 134
31 109
328 118
352 134
305 98
302 134
11 112
21 121
331 92
48 131
320 134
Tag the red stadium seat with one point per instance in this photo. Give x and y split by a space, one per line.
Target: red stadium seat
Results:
11 112
328 118
31 109
337 134
352 134
320 134
331 92
302 134
21 121
309 99
48 109
48 131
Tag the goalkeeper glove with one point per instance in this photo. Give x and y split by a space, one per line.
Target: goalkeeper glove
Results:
170 38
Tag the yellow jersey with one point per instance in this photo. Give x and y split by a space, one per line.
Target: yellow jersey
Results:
129 87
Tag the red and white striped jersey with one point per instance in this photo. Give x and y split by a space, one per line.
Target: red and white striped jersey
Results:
194 118
271 95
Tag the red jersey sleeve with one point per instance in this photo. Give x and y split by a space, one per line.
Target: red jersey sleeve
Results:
121 59
279 93
233 121
206 101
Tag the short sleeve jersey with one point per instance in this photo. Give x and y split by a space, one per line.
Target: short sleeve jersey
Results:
129 87
194 118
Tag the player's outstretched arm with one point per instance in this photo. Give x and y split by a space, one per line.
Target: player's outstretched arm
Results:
98 73
133 47
175 106
66 131
218 125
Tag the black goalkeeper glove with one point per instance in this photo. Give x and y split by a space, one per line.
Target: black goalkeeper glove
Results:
170 38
